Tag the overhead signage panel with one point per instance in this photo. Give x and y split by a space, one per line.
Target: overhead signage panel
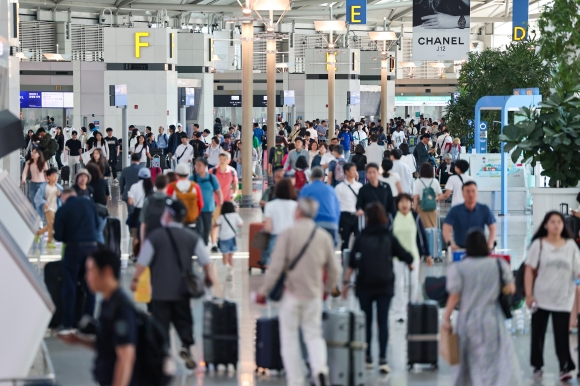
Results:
356 11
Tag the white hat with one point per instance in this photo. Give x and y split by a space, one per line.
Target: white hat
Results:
182 170
179 124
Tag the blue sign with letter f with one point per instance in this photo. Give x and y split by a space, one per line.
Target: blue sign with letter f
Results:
356 11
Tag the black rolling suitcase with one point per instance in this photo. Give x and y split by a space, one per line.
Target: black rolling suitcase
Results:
65 174
53 281
220 333
422 332
268 345
112 235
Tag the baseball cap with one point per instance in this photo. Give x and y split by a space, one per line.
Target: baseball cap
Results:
182 170
176 208
179 124
144 173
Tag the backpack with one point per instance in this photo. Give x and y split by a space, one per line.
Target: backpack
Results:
255 142
300 179
428 202
189 199
52 147
338 174
155 209
217 129
277 160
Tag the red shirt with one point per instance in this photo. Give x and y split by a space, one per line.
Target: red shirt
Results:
225 179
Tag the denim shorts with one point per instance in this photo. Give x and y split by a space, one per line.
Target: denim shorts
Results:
228 246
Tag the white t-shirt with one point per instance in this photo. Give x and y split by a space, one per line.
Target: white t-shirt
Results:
225 231
313 133
137 193
185 152
419 186
347 198
282 214
442 140
392 180
326 159
360 136
137 149
410 161
456 186
398 138
554 287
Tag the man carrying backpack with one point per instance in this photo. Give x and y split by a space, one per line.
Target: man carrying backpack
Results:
336 167
276 156
47 144
116 340
209 186
153 207
188 192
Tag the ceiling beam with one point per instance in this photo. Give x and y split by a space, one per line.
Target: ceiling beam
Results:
123 3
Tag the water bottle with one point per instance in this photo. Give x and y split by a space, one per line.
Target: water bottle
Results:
533 307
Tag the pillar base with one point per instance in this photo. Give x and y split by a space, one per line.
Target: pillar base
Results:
247 202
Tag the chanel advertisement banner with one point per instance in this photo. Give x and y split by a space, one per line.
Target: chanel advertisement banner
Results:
440 29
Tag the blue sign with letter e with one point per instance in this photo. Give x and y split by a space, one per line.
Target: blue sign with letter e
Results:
356 11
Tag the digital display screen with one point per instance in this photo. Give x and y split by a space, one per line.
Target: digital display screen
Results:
289 98
227 101
30 99
120 89
38 99
52 100
354 98
189 96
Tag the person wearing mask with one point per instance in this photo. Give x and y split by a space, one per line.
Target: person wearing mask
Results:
334 177
427 180
213 153
165 252
372 258
59 138
116 339
47 200
278 215
184 153
552 266
36 165
375 190
301 304
212 196
129 176
471 214
142 149
81 184
294 154
360 160
76 225
98 142
153 207
347 195
408 228
390 177
328 215
98 159
270 192
162 140
136 196
486 349
424 152
113 147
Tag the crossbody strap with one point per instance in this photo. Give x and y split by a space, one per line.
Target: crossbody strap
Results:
225 218
184 150
293 264
352 190
462 183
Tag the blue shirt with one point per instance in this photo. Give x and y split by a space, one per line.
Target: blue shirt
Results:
328 206
162 141
259 133
463 220
345 139
76 221
208 186
332 166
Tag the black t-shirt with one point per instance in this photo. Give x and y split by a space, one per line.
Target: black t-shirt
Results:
74 145
100 191
91 142
113 143
88 192
198 147
117 327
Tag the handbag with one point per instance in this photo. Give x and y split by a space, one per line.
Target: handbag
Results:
191 285
449 346
261 240
504 298
102 210
278 289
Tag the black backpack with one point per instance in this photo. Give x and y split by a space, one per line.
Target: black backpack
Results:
155 210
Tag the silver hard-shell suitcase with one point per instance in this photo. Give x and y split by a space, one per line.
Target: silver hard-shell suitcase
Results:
345 335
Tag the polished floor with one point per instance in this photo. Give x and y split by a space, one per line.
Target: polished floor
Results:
73 364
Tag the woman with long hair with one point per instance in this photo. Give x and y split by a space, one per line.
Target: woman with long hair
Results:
59 138
486 350
552 266
136 198
28 138
374 249
101 196
37 166
142 149
98 159
407 157
98 142
237 156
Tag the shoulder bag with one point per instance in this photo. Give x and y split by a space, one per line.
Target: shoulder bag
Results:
231 227
191 285
504 296
276 292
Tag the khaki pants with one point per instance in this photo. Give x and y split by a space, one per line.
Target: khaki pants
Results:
49 226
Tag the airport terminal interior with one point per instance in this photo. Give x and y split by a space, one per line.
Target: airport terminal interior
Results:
489 84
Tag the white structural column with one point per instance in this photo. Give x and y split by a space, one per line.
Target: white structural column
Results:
271 92
247 106
384 102
331 65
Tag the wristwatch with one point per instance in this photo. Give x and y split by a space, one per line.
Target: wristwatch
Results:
461 22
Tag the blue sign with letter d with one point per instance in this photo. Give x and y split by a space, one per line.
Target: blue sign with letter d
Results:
356 11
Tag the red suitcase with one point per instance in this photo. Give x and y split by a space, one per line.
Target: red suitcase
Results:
255 254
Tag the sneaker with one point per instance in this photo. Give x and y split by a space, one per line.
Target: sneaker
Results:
538 373
565 376
185 354
384 367
214 249
36 239
369 363
50 245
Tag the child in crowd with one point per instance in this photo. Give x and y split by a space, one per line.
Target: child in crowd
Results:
302 173
47 199
227 222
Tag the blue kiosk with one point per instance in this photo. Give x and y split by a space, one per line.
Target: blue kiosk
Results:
529 97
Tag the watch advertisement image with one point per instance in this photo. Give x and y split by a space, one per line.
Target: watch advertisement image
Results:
441 29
